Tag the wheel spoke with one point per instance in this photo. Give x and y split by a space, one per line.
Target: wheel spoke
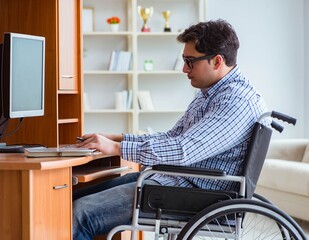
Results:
242 220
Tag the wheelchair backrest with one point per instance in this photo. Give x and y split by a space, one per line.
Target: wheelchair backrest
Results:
255 156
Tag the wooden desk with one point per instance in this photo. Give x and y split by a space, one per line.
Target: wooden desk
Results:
36 195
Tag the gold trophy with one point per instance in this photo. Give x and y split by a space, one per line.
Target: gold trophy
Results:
166 15
145 14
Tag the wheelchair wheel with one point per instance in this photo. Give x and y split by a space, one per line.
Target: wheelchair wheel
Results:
241 219
259 197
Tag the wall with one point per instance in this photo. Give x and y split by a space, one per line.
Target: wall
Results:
306 35
272 52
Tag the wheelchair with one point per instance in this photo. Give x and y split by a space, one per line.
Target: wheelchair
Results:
192 213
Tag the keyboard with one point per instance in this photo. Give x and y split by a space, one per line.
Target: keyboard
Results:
17 148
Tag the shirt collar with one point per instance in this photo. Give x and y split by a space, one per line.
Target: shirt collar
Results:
231 75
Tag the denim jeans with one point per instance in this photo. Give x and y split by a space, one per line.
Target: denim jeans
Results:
109 205
99 209
130 177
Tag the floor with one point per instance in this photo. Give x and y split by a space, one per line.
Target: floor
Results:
303 224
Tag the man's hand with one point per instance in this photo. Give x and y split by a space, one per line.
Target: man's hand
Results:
101 143
114 137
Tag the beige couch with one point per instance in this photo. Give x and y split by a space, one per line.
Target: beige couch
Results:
285 176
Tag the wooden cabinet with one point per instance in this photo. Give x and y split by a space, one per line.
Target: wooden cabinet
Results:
68 45
50 209
59 22
37 204
36 200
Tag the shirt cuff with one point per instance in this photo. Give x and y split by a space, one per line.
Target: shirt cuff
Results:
129 151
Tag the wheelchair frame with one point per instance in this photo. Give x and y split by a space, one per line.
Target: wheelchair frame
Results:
208 220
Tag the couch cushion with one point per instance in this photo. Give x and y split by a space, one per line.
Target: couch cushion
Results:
288 176
288 149
306 155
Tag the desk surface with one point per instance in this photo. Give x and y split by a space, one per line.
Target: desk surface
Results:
18 161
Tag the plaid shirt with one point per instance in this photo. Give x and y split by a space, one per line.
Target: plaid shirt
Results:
214 133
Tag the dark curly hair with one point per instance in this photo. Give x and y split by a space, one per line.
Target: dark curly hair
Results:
213 37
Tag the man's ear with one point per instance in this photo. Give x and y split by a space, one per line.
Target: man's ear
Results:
218 61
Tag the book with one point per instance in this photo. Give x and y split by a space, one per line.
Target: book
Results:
123 61
129 99
86 101
120 61
144 100
179 62
58 152
113 60
123 100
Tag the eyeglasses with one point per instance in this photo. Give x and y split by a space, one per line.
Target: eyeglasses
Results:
189 60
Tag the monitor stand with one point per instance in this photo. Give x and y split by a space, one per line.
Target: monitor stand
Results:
11 148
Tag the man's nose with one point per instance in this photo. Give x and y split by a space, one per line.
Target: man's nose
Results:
186 68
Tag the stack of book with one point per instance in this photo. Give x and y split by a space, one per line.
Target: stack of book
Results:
124 100
120 60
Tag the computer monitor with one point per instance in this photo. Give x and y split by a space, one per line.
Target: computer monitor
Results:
23 61
22 77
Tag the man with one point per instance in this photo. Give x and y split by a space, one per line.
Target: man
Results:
213 133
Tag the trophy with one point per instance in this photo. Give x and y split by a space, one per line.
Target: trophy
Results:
166 15
145 14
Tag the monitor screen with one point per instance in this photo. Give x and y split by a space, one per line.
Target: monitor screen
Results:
23 75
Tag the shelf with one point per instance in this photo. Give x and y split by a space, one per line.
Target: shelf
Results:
159 72
139 111
107 111
98 72
71 120
162 111
91 173
67 92
158 34
107 34
170 90
107 72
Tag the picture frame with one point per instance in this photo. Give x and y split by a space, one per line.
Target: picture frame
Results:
88 17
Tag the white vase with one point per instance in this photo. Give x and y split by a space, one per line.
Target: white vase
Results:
114 27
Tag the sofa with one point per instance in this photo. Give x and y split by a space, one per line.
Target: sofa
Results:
284 178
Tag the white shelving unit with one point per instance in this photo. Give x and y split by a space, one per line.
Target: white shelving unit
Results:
170 89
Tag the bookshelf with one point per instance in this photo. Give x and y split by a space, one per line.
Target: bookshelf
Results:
169 89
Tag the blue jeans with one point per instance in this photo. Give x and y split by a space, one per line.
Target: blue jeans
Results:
130 177
109 204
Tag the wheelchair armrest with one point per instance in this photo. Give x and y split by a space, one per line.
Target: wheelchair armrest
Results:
189 170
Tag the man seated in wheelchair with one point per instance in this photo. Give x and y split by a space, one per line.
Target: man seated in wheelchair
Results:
213 133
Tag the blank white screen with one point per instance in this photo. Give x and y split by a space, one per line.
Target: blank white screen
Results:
27 74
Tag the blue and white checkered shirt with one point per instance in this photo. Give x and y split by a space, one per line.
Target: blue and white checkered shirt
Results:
213 133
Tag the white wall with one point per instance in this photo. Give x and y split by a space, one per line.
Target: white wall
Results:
272 52
306 28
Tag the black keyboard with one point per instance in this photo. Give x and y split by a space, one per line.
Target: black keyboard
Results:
17 148
12 149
